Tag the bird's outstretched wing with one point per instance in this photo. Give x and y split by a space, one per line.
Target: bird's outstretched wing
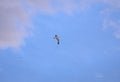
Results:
57 39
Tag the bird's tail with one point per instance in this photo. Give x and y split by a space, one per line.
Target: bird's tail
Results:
58 42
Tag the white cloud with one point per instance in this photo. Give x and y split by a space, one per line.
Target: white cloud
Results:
40 5
13 22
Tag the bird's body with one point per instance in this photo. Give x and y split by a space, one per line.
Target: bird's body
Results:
57 38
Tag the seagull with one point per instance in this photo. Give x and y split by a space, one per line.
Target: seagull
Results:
57 38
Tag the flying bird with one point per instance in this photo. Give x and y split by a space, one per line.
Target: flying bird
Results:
57 39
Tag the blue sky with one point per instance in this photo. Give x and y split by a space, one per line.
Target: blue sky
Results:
89 49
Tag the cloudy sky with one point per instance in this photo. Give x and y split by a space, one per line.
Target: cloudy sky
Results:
89 32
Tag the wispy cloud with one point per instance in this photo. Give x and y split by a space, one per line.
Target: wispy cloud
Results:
99 75
15 22
109 20
115 25
39 5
